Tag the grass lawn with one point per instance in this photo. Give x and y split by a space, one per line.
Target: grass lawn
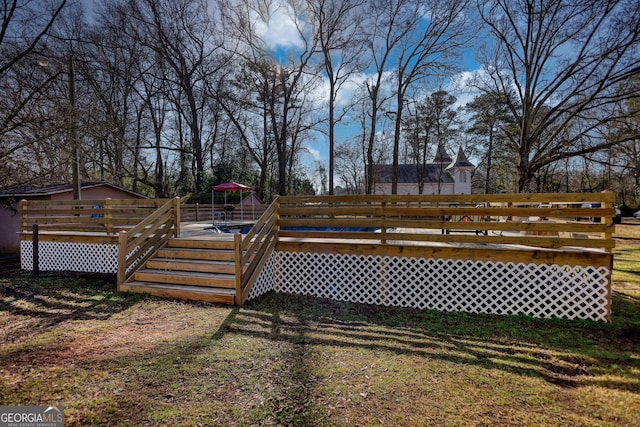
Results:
129 360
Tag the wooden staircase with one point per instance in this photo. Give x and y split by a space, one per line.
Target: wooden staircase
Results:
193 269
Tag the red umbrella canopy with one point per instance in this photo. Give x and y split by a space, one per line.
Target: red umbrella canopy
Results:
231 186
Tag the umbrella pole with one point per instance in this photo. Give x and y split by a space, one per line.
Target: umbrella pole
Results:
241 210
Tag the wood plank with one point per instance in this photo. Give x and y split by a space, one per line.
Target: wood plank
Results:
329 212
332 222
217 243
524 240
216 295
164 227
575 256
73 238
531 198
343 235
219 267
191 278
196 254
111 202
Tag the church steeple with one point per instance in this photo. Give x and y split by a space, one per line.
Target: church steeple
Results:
460 161
441 155
461 168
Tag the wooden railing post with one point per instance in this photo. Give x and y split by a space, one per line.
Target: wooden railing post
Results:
108 220
383 229
122 259
237 243
23 215
277 214
607 202
176 216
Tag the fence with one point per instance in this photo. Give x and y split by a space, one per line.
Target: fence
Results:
504 254
79 235
139 243
203 212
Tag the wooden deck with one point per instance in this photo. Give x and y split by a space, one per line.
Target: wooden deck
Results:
162 256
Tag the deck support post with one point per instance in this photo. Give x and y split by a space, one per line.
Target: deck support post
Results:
176 216
122 259
237 248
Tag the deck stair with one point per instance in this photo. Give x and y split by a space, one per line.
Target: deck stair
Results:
194 269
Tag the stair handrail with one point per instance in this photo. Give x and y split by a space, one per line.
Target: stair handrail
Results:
254 249
143 240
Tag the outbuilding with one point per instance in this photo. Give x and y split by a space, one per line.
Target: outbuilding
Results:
10 210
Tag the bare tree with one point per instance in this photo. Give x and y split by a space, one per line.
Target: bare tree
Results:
430 40
245 101
626 156
182 35
25 25
559 62
349 167
488 115
340 40
293 74
433 125
410 43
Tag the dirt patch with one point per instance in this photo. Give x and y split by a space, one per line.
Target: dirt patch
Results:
147 328
131 335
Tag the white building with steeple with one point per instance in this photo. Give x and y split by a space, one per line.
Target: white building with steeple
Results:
442 175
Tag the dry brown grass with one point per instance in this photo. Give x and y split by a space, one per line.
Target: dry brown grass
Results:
115 359
129 360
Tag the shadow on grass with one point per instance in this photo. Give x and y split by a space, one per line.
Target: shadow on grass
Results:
226 366
562 352
60 296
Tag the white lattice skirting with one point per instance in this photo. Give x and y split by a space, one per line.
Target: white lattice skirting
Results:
574 292
266 280
63 256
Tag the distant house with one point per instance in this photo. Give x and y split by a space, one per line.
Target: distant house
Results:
443 175
10 198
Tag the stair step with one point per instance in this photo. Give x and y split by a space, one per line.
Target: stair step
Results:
200 244
219 295
197 254
186 278
221 267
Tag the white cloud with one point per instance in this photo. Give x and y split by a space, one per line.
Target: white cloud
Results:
349 88
314 153
462 86
278 28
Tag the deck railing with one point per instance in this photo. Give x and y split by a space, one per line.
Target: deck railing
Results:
205 212
79 235
534 220
544 255
104 217
139 243
253 250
